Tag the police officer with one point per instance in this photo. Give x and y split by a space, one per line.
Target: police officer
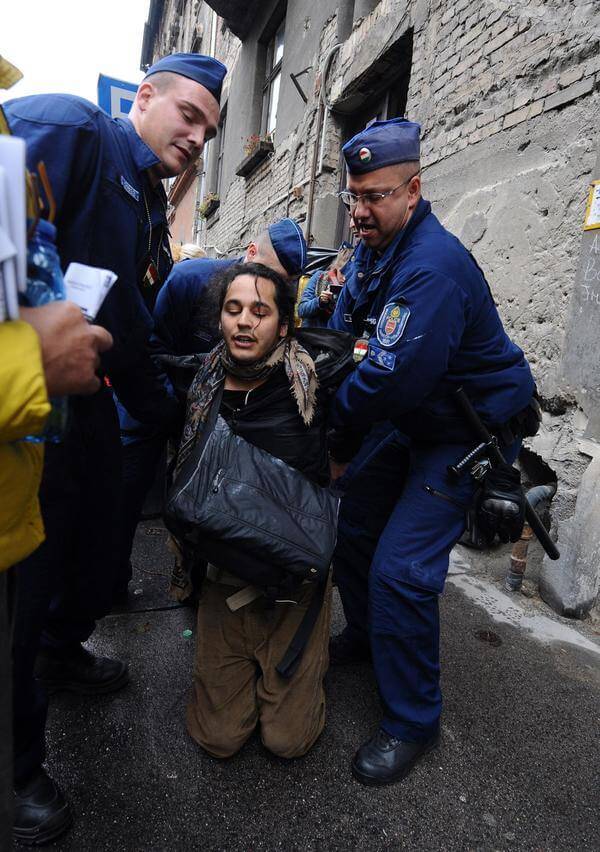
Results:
183 327
425 324
105 176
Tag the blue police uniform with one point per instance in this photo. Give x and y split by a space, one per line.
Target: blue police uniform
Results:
98 171
108 215
427 325
174 331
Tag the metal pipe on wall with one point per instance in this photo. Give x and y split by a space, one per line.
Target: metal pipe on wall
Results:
313 173
536 496
319 144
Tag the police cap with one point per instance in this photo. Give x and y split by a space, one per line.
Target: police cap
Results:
383 143
289 245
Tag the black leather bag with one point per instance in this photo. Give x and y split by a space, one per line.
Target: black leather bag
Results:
249 512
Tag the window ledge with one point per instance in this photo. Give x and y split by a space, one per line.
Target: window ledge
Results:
253 160
209 208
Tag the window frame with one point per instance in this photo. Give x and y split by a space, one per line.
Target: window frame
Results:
273 72
220 152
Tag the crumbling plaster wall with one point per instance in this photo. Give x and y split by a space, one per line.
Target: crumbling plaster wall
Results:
518 203
510 160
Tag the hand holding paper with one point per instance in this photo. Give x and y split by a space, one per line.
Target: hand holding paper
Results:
70 347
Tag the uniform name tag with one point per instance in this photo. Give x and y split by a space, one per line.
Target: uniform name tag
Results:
392 323
382 358
129 189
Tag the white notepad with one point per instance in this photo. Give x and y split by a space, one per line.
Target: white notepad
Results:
88 287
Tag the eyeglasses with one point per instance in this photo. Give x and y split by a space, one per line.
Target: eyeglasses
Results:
370 199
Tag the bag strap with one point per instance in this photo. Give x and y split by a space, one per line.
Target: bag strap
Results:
213 414
291 659
209 426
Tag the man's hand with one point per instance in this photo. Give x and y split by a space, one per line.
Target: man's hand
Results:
70 347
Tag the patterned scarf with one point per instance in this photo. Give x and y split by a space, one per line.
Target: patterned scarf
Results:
299 368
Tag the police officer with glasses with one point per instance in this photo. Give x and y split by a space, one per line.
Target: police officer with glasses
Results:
425 325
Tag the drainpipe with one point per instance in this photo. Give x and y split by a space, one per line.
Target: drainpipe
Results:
319 144
536 496
345 16
213 33
313 173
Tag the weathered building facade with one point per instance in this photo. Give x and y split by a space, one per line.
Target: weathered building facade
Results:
508 98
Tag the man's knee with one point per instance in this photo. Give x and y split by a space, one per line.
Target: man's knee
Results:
288 744
214 735
399 607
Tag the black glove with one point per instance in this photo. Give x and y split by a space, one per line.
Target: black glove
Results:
501 504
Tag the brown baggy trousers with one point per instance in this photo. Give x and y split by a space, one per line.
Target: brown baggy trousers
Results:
236 685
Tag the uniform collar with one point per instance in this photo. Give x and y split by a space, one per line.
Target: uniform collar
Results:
373 265
143 156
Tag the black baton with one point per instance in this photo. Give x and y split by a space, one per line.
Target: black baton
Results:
482 434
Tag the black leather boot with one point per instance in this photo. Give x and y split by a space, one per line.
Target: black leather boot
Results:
41 812
77 670
384 759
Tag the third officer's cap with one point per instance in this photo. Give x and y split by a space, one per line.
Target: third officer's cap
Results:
383 143
289 245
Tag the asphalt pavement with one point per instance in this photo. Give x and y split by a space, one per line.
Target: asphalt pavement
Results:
517 769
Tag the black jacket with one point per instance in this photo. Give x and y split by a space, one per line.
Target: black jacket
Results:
268 416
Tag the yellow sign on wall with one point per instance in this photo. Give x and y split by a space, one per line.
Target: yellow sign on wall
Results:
592 211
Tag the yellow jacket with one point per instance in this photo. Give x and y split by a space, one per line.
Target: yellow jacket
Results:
23 410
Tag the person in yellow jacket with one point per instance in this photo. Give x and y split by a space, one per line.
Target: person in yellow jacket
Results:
51 351
23 410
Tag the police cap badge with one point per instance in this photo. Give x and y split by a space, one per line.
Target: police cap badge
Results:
383 143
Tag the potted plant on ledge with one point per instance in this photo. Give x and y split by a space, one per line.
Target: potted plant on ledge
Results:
208 205
256 149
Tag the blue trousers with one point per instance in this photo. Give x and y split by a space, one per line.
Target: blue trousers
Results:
143 447
141 459
399 520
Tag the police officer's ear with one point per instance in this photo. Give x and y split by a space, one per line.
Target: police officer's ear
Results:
144 95
251 252
414 190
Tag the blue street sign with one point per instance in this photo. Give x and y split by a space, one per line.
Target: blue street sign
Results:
115 96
